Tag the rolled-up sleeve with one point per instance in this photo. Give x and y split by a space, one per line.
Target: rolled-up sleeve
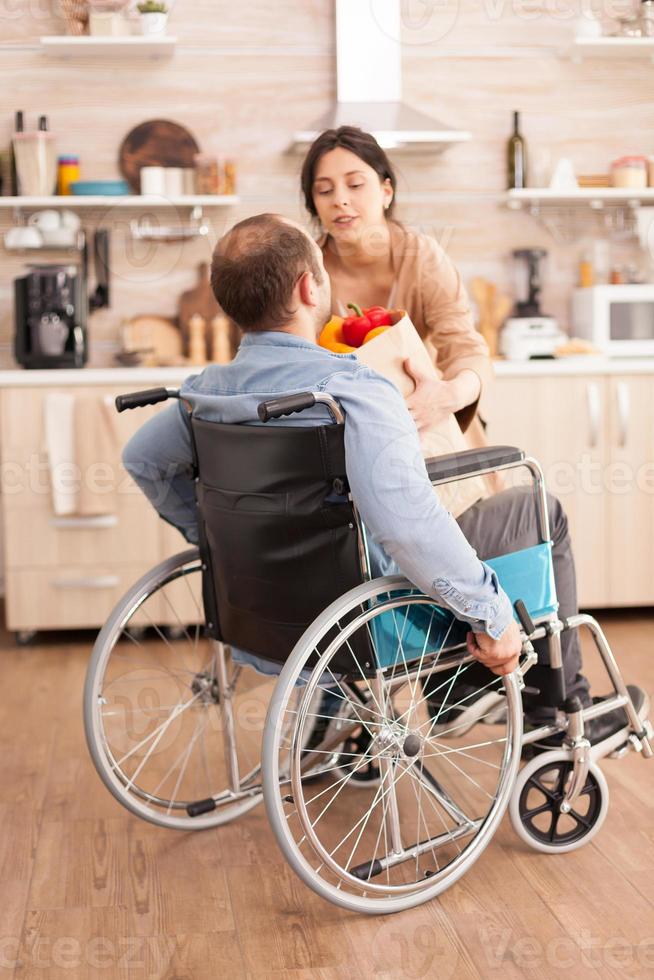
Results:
450 323
401 510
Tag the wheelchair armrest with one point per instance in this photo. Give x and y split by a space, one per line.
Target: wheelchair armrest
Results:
452 466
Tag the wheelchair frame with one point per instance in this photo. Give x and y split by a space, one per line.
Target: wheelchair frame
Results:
570 718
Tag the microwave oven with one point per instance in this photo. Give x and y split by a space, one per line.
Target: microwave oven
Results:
619 320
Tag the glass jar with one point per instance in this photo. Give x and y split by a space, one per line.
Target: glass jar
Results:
207 174
629 172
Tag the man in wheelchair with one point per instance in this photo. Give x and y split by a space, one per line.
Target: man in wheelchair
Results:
268 276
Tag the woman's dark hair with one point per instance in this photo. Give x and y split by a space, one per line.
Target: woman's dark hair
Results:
356 141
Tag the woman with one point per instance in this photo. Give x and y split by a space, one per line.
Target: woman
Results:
349 186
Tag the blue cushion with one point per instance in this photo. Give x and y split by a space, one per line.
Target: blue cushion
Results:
404 634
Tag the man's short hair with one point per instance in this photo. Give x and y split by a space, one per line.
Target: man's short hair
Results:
255 268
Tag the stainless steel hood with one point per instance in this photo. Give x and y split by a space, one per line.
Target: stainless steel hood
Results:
369 83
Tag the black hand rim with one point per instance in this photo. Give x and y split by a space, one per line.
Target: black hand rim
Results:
552 800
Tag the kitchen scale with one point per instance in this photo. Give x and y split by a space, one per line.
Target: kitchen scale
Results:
530 333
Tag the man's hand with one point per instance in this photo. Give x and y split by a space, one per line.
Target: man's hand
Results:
500 656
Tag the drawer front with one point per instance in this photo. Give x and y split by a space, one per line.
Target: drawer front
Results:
26 477
80 596
74 596
27 485
40 539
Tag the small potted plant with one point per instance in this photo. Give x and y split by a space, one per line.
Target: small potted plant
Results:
153 16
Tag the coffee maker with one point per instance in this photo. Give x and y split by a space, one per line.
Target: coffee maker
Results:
51 307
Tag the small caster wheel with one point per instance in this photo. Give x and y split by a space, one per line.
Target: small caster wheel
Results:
534 807
25 637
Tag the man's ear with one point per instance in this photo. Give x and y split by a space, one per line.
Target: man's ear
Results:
307 288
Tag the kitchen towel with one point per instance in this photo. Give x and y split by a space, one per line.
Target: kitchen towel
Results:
58 427
83 453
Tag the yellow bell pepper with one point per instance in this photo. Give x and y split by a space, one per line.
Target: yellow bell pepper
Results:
331 337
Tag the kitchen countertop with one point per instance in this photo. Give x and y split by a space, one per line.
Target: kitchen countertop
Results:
575 364
116 376
70 377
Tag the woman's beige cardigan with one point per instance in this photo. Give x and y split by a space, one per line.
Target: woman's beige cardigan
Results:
428 286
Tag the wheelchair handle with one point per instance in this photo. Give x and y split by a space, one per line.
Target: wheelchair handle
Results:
138 399
297 402
286 405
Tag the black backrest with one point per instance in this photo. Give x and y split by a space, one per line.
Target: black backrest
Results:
277 551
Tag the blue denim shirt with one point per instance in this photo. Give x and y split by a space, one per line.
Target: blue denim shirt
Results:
408 528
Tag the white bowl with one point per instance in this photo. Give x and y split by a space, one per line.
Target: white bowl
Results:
24 236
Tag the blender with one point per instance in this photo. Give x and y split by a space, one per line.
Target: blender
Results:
528 332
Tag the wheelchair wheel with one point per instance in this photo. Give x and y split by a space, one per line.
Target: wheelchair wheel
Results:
400 814
173 724
535 804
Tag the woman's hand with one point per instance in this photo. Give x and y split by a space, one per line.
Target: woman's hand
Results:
434 399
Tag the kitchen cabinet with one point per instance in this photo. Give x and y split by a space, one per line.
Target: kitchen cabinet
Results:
68 571
630 489
593 435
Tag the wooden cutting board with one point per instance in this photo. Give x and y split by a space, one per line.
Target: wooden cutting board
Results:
157 337
155 143
201 300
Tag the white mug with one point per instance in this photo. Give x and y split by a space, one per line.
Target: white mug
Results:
174 181
45 220
70 220
153 181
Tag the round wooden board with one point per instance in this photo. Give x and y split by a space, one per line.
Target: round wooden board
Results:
155 143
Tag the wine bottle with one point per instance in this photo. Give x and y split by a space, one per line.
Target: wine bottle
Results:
517 156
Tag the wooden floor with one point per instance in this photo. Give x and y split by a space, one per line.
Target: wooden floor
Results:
89 891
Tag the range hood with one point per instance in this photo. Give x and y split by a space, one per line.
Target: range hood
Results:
369 83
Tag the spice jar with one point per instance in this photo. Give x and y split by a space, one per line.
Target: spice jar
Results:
229 177
67 172
586 271
207 174
629 172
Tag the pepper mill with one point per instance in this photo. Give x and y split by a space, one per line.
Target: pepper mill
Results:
221 348
196 339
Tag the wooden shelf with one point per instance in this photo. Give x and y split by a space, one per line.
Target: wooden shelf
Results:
612 47
134 47
594 197
134 201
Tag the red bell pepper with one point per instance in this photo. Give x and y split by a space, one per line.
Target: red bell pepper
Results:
355 327
378 316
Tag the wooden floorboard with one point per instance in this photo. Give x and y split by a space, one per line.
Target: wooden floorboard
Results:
89 891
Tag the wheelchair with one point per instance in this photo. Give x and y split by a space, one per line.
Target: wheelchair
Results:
379 797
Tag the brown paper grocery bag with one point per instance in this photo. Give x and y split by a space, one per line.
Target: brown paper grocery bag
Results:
386 354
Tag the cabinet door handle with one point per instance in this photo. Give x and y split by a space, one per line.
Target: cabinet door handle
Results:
594 412
86 582
622 404
90 522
